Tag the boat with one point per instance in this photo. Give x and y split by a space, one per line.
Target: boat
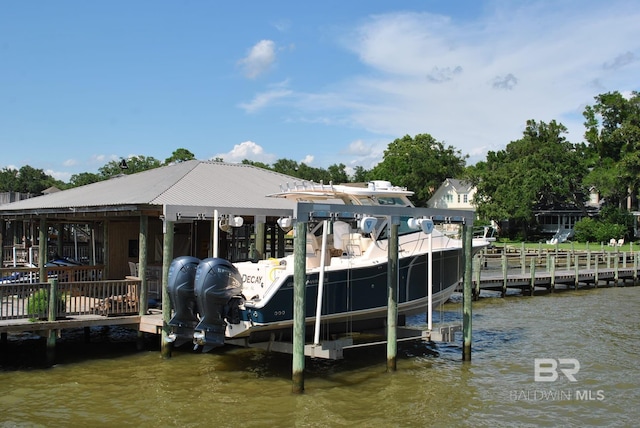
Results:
217 302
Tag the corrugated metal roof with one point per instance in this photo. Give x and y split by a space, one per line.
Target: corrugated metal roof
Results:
190 183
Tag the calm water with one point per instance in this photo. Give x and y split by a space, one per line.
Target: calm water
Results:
108 383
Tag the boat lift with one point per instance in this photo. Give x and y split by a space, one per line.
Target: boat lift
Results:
423 218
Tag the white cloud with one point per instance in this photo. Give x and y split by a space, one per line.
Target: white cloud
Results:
62 176
259 59
246 150
308 160
474 84
265 99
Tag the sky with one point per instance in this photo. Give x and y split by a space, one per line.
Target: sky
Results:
83 83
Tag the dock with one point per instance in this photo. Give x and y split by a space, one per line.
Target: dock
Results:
529 271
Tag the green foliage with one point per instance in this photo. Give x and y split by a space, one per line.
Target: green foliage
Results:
179 155
590 230
542 170
84 178
335 174
613 136
27 180
38 305
420 164
134 164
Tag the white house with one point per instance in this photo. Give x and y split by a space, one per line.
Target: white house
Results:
453 194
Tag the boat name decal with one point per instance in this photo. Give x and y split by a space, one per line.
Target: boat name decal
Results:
252 279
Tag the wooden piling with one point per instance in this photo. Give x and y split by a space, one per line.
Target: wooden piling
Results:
576 266
467 248
142 266
392 295
476 293
299 298
616 276
532 284
553 273
167 257
51 316
504 274
43 238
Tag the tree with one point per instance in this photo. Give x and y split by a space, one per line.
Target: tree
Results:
613 136
27 180
420 164
360 174
133 165
84 178
338 174
8 180
179 155
256 164
542 170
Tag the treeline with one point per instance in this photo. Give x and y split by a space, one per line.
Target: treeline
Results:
541 170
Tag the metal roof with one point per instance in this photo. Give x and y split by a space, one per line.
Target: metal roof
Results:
185 186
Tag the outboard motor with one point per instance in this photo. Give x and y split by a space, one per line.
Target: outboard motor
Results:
218 288
182 272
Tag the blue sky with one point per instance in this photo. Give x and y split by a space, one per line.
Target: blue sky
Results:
86 82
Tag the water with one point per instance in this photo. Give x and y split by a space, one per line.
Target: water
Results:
107 383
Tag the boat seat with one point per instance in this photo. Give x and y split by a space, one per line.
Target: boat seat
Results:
356 244
313 252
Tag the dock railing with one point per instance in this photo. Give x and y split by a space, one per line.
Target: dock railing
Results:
22 300
527 269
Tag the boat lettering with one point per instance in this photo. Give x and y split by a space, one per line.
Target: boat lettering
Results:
251 279
279 313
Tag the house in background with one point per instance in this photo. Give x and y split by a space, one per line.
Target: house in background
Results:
453 194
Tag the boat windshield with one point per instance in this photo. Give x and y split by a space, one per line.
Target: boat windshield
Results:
384 200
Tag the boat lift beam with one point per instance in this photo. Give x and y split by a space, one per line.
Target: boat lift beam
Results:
305 212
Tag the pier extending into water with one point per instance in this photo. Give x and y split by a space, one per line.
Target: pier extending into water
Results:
500 269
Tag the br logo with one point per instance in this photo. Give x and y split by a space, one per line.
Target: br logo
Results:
546 369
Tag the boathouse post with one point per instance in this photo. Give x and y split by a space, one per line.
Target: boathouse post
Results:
260 228
167 256
42 249
51 316
105 248
392 295
142 263
467 297
142 267
299 304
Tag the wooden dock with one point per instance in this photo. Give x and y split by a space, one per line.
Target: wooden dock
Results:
535 270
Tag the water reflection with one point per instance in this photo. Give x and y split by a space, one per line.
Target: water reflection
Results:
107 382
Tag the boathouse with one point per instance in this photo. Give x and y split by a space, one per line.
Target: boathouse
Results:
118 229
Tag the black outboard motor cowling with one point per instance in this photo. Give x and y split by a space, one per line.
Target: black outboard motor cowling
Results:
182 273
218 289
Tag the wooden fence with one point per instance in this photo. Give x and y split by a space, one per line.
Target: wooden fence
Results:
28 300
